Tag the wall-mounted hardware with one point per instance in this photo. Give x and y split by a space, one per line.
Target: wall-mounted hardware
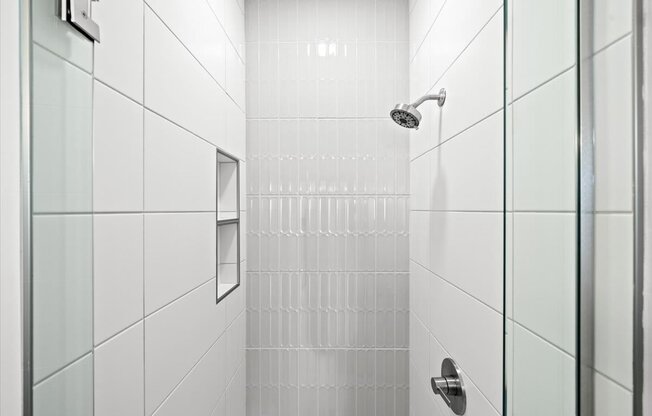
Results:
78 14
450 386
407 115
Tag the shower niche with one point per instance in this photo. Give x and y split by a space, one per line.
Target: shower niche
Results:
228 224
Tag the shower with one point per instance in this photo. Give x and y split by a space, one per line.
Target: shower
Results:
407 115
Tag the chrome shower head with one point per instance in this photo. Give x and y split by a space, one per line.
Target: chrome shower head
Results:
407 115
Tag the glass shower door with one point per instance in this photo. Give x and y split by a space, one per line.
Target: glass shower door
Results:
541 208
570 211
61 217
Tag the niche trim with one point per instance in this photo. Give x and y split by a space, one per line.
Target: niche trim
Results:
227 256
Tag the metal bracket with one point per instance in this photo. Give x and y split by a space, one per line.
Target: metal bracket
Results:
78 14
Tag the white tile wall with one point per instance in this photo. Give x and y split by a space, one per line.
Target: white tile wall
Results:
119 56
180 255
555 51
118 273
184 80
328 293
180 168
118 149
456 220
173 347
119 374
544 147
167 88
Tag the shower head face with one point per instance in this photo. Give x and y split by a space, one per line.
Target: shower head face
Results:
406 116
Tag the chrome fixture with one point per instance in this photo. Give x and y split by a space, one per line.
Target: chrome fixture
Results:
407 115
450 386
78 14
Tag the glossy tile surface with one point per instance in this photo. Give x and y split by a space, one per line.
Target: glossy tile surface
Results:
327 202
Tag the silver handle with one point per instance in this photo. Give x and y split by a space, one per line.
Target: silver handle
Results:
450 386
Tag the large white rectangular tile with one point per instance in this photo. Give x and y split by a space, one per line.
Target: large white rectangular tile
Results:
544 377
545 154
611 398
422 18
62 286
614 286
236 394
419 237
470 97
119 55
551 26
67 393
118 273
195 24
456 26
199 392
178 87
481 326
235 346
235 76
476 402
614 139
119 375
179 255
180 168
173 347
419 292
420 185
544 267
466 173
466 249
611 20
235 131
118 151
234 24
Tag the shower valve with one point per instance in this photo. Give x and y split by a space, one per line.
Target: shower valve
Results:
450 386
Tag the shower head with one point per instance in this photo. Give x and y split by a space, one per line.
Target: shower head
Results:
407 115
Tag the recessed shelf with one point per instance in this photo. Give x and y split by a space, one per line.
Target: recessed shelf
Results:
228 184
228 225
227 216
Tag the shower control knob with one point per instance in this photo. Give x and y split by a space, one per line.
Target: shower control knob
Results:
450 386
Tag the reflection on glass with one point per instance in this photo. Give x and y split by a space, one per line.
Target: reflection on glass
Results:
62 222
541 213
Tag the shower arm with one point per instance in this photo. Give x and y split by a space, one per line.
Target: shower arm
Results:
440 98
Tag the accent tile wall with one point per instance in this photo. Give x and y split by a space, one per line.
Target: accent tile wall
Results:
456 213
156 98
327 198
